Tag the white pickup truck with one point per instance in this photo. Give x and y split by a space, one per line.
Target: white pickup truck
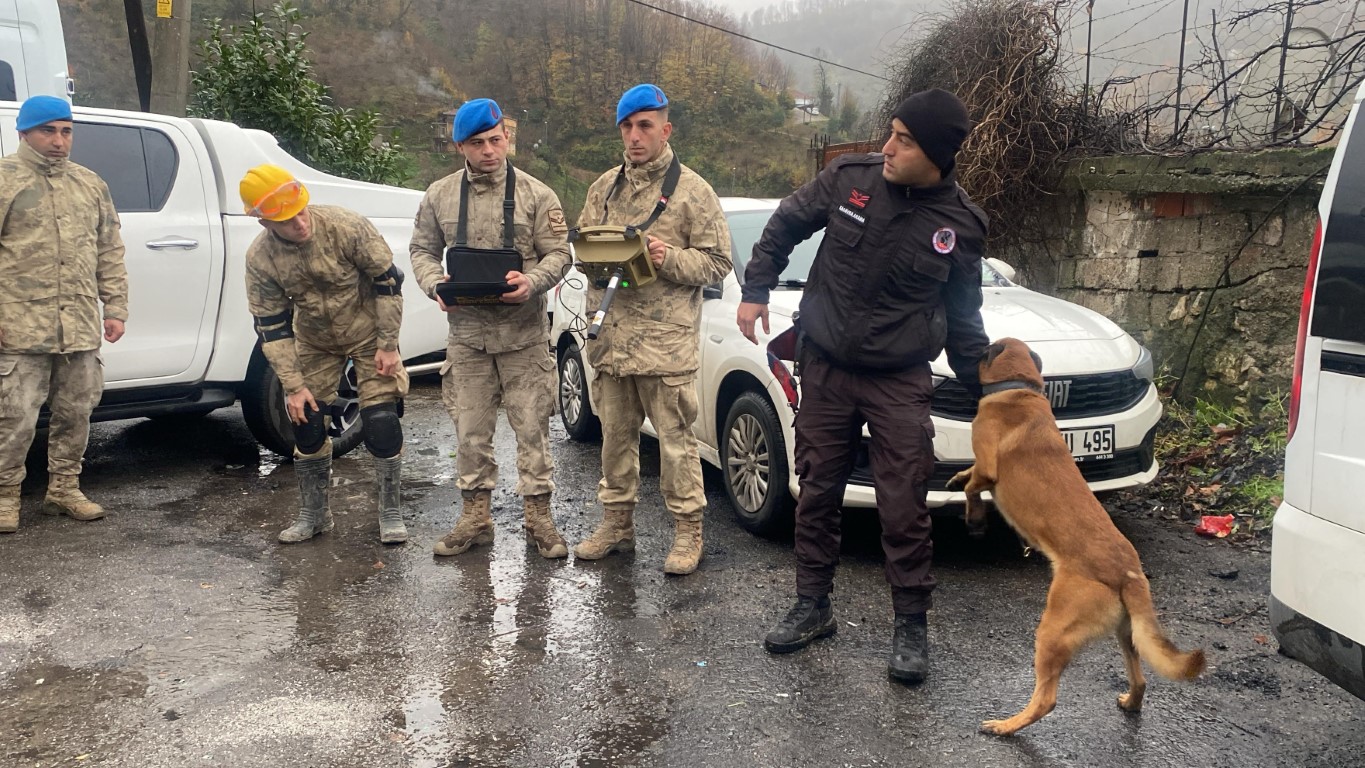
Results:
190 347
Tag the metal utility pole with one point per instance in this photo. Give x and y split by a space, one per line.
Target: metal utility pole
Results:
1089 29
142 57
1180 71
171 57
1279 81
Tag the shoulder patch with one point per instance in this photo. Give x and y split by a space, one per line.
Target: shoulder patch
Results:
945 240
557 223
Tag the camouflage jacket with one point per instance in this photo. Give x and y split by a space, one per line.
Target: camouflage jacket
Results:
60 254
335 291
540 238
653 330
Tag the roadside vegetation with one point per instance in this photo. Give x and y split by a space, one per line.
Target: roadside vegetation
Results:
1218 460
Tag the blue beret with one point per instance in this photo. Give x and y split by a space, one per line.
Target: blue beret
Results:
639 99
475 116
40 110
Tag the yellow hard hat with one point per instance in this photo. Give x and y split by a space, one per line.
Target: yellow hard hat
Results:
270 192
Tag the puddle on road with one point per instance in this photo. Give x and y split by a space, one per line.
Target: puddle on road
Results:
620 742
51 709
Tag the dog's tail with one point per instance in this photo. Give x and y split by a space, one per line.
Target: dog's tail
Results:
1149 639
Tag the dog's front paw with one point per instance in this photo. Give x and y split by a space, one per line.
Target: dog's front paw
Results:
996 728
959 481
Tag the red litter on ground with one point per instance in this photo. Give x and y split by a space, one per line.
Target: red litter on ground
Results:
1216 526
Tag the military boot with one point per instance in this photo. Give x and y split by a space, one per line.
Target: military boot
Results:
315 476
540 525
686 552
475 525
808 620
9 508
616 533
909 662
64 497
387 476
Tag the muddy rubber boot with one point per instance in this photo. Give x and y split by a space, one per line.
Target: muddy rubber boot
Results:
909 662
388 473
616 533
9 508
808 620
315 476
540 526
686 552
64 497
475 525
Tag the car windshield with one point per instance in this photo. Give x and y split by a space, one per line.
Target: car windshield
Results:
747 226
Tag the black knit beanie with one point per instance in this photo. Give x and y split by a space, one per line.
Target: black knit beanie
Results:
938 121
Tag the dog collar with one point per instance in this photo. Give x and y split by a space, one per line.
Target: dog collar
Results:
1001 386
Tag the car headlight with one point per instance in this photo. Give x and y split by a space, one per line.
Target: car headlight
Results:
1144 369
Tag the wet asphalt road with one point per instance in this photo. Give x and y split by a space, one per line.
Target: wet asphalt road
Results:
177 632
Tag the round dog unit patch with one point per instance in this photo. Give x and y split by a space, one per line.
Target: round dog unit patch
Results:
945 240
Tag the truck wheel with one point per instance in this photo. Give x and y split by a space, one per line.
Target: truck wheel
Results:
263 409
575 407
753 460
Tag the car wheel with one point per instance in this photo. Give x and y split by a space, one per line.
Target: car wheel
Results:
753 460
575 407
263 409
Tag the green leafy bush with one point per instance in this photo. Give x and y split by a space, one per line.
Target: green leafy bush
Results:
260 76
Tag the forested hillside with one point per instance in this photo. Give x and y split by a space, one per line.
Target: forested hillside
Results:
557 66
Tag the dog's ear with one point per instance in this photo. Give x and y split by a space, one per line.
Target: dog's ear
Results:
1037 361
993 351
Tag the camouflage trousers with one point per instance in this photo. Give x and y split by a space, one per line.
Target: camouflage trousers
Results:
670 402
71 385
474 384
322 369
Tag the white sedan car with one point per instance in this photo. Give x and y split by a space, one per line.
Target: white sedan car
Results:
1098 378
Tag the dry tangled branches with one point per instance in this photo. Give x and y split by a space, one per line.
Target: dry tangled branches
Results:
1001 57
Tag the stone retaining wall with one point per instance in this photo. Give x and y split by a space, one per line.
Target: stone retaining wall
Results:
1201 258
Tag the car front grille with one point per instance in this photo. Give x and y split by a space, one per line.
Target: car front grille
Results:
1094 395
1124 464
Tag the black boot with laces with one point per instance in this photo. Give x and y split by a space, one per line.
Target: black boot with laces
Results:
909 661
810 619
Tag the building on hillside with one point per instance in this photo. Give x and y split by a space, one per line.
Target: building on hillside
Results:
807 109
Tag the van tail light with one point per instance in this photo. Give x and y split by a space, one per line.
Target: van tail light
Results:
1305 309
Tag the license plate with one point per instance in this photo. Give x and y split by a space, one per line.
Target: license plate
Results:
1090 443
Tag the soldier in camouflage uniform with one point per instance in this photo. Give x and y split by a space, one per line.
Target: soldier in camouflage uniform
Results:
323 288
61 256
497 354
646 357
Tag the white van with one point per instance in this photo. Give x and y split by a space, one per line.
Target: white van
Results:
32 51
1317 576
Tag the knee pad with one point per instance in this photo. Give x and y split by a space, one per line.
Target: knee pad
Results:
382 430
310 436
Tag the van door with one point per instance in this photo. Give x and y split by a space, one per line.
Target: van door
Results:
158 185
11 52
1338 318
32 50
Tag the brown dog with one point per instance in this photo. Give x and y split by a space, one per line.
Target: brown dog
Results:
1098 586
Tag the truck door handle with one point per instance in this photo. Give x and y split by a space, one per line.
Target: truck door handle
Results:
173 242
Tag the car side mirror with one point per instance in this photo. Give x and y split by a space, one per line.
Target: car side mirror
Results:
713 291
1005 270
